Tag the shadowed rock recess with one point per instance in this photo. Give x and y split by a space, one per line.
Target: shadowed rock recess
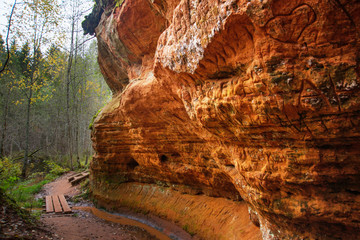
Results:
225 110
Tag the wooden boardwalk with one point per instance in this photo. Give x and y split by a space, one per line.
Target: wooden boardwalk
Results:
77 178
57 204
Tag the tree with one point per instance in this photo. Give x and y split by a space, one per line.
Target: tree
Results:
36 22
74 81
6 76
68 80
7 40
64 97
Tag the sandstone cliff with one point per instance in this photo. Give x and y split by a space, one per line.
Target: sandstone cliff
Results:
225 104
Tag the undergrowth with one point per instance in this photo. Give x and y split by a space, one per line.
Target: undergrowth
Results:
11 205
85 191
22 191
42 170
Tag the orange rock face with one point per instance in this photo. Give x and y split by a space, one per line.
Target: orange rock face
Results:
255 101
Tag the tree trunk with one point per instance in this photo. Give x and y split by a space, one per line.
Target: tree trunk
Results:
76 104
7 40
27 137
11 146
3 134
68 78
68 123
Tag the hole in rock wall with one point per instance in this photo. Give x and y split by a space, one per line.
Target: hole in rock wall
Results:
199 192
163 158
206 158
132 164
230 165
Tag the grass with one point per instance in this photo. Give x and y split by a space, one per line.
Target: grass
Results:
23 193
13 208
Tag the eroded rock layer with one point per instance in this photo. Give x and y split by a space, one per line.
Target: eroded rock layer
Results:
255 101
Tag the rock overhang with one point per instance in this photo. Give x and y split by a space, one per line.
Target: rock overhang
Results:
257 99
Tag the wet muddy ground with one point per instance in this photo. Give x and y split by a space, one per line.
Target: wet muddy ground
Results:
88 222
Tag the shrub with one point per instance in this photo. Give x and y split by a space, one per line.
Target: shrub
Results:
23 191
9 173
54 169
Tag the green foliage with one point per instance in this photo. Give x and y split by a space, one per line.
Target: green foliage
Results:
23 191
37 213
93 119
11 206
118 3
84 163
39 18
34 86
9 173
55 170
92 20
88 93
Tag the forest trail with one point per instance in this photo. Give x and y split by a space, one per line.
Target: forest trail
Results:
88 222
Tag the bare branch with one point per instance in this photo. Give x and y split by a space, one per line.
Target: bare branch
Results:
7 39
84 42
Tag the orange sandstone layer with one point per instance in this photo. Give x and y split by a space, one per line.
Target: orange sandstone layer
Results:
253 100
206 217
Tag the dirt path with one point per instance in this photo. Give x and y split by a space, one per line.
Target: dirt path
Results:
61 186
83 224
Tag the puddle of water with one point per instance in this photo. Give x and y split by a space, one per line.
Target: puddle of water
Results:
123 220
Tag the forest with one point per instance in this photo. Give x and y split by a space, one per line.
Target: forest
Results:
50 90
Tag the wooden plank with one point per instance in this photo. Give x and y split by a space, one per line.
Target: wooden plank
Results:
74 176
64 204
57 205
49 204
79 179
71 178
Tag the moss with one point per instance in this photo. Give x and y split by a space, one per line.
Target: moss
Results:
119 3
187 229
93 119
92 20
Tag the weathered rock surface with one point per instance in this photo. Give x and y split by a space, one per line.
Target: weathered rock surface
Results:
254 100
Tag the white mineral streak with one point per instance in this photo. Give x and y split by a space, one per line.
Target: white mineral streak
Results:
183 54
